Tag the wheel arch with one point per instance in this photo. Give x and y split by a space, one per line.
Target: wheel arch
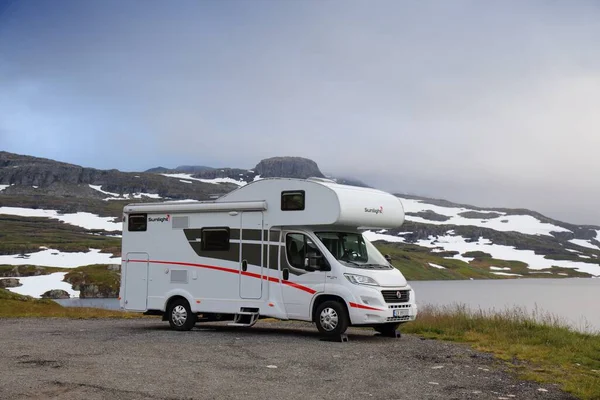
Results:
320 299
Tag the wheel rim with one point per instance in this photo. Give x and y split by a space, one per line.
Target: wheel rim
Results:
329 319
179 315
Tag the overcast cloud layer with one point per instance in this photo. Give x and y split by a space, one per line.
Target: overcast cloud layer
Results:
488 103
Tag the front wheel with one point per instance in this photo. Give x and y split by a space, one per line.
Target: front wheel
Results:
331 318
180 315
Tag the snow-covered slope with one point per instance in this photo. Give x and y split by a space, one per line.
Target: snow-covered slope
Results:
83 219
497 220
511 235
55 258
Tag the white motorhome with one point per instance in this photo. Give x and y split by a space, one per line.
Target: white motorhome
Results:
282 248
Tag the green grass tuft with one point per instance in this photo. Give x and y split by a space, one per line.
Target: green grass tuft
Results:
539 347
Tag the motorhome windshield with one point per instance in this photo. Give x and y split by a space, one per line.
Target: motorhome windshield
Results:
353 250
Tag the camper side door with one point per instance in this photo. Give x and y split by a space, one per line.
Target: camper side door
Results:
301 279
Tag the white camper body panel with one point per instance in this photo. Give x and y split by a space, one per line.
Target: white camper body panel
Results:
168 258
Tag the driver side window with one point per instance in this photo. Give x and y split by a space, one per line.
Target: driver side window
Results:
299 246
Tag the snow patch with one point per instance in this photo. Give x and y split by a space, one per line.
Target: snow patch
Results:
584 243
2 187
35 286
436 266
99 189
505 274
257 178
518 223
500 268
499 252
184 181
83 219
372 236
213 181
55 258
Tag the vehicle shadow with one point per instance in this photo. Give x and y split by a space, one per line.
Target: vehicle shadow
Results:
287 329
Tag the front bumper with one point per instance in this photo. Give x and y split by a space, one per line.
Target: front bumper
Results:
371 308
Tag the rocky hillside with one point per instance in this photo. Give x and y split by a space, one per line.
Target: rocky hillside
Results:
38 183
489 238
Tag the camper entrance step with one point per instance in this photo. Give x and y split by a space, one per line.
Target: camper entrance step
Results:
244 318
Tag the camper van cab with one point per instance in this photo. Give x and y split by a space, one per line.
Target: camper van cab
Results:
290 249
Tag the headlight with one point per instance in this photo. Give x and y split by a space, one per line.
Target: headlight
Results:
361 280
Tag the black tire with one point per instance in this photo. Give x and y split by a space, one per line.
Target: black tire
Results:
331 318
387 329
180 315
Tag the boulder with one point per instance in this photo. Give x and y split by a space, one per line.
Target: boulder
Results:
9 283
55 294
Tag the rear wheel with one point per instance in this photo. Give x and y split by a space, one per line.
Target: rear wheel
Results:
180 315
331 318
387 329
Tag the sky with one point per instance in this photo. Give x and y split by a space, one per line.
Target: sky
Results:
486 103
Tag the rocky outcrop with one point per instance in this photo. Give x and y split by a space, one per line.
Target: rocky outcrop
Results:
232 173
88 291
288 167
55 294
22 270
429 215
9 283
95 281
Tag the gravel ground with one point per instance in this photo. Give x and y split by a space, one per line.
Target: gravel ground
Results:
144 359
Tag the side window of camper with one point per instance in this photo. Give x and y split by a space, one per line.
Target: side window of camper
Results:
298 247
292 200
215 239
137 223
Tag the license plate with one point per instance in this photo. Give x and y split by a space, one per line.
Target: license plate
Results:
401 312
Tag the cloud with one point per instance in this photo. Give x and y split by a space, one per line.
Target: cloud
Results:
492 104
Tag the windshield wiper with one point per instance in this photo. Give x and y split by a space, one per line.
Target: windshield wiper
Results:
376 265
352 262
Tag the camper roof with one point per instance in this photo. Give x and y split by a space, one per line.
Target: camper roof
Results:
298 202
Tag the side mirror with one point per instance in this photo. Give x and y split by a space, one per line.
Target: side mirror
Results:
313 262
388 258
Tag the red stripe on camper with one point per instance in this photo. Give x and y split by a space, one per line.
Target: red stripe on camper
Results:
356 305
231 270
295 285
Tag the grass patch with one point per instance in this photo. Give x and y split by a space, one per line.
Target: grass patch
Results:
13 305
20 235
15 271
538 347
414 263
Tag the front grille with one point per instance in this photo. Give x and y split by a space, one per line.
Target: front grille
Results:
391 296
399 306
398 319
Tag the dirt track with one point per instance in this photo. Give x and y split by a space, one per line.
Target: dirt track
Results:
144 359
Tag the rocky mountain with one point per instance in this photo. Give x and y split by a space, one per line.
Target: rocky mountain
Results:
282 167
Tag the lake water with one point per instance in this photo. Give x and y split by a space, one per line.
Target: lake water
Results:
576 301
